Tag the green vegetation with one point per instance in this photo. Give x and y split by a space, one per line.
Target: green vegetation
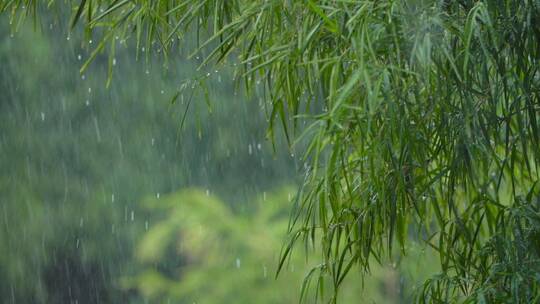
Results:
91 175
77 159
417 122
231 258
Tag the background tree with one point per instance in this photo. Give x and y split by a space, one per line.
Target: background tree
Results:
233 257
421 122
77 159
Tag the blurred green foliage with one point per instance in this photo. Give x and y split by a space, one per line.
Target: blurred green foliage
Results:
232 258
77 158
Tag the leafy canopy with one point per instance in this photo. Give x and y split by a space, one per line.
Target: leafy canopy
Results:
421 122
229 257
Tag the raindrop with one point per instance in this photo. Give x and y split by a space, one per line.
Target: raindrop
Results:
89 90
83 77
259 146
98 132
250 150
42 116
153 141
265 271
264 196
157 195
147 72
79 57
78 241
90 41
112 198
81 222
207 192
87 102
68 38
238 262
146 225
162 92
114 61
132 215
